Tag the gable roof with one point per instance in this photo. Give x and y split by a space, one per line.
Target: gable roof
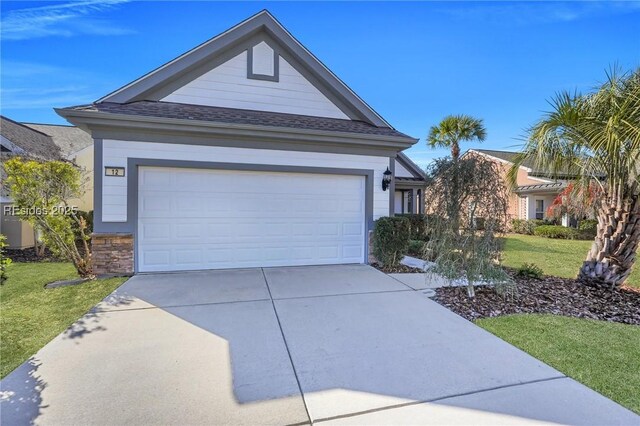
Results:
238 116
407 163
193 63
70 139
528 164
31 142
508 156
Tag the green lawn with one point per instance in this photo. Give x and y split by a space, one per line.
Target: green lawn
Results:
602 355
561 258
31 315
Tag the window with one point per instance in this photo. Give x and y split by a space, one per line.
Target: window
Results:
539 209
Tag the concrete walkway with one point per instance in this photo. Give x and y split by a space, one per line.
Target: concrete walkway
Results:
336 344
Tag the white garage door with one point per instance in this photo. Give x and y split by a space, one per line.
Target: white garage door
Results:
191 219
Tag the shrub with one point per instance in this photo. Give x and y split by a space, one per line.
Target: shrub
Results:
588 227
4 260
418 225
416 247
529 270
528 226
522 226
391 239
556 231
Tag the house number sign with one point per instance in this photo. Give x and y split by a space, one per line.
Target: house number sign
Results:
114 171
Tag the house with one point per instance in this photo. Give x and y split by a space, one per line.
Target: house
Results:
535 189
76 146
245 151
16 139
45 142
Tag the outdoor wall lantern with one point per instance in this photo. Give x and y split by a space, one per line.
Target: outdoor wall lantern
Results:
386 179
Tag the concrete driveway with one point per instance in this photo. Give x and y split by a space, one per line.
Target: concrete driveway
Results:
336 344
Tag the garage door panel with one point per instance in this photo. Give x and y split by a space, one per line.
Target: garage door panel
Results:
156 179
155 232
352 251
352 229
188 231
155 258
208 219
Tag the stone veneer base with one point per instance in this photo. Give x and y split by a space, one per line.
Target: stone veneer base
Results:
112 254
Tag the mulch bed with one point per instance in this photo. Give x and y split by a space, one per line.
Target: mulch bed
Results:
29 255
549 295
396 269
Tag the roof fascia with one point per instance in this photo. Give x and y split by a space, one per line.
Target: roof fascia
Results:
527 191
501 160
12 147
410 165
406 184
93 121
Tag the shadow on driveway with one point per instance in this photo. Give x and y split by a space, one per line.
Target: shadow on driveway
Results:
345 344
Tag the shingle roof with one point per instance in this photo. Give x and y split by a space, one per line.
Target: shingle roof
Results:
528 163
504 155
510 156
238 116
34 143
70 139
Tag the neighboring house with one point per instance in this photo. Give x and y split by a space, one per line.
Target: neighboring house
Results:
409 185
245 151
76 145
19 140
535 190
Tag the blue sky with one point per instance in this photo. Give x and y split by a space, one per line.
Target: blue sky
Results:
413 62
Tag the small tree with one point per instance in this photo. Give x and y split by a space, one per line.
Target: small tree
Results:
579 201
595 138
41 192
464 223
454 129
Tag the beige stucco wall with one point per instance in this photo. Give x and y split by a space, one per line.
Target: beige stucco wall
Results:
19 234
516 208
516 202
84 160
531 199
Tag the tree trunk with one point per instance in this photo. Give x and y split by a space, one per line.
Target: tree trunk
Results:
471 290
455 205
615 247
37 244
455 151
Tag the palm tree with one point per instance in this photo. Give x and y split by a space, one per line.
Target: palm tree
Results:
596 139
454 129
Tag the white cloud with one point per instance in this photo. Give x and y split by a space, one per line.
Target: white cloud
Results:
28 85
64 19
541 12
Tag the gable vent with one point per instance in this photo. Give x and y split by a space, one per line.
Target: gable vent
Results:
262 62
